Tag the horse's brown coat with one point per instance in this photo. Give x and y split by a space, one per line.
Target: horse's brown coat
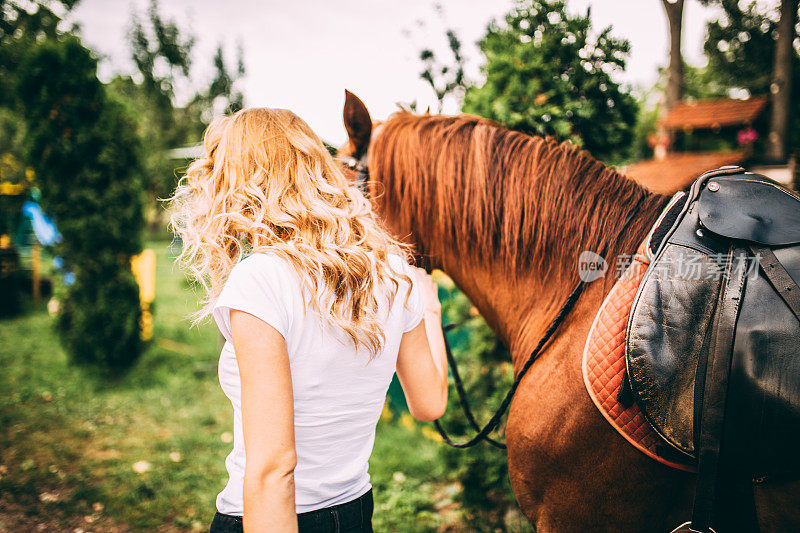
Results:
506 216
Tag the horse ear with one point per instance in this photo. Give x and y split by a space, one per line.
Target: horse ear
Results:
357 122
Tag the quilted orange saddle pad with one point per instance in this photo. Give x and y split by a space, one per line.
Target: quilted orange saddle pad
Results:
604 364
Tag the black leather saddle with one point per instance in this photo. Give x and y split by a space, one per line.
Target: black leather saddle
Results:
713 339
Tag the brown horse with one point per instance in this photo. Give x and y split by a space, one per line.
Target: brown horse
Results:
506 216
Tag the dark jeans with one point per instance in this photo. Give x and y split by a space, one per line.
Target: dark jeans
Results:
351 517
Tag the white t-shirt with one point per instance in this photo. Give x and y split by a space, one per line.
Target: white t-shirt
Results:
338 392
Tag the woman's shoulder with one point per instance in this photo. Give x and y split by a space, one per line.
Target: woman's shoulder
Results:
398 263
399 268
264 258
263 265
257 285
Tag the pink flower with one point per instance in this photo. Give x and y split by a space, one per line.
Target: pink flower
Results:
747 136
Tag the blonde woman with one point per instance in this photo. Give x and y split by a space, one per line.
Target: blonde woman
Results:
318 308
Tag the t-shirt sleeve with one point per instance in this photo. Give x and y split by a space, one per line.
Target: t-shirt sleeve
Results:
256 285
415 307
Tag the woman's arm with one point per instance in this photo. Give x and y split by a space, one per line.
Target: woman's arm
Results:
268 424
422 361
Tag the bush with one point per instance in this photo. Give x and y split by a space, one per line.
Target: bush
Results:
10 283
99 319
86 157
548 72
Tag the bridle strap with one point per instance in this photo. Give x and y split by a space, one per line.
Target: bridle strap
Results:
483 433
361 168
462 395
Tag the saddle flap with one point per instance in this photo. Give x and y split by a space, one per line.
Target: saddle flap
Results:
750 207
676 319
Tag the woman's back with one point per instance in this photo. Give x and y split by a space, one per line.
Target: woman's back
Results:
307 377
339 390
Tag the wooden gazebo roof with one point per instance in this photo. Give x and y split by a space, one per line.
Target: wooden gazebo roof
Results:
713 113
678 170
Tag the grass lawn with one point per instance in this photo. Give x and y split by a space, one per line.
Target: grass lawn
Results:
146 452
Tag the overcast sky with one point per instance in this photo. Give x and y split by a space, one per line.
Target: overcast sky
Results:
302 54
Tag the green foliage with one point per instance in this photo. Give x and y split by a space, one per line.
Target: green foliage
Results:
21 26
445 79
645 128
12 133
222 86
740 47
99 319
86 157
163 55
547 74
701 83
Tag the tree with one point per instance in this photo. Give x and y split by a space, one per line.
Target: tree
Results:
222 88
546 75
701 82
674 90
739 43
163 55
85 154
21 27
445 79
738 46
781 85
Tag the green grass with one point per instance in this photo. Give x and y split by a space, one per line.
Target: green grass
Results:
69 441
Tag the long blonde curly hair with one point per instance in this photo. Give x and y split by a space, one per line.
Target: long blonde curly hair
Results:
267 183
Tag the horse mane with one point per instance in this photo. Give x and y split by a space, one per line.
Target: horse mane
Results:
493 194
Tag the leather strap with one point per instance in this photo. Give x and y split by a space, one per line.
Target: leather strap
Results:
715 390
778 277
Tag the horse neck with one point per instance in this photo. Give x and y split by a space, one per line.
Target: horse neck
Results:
519 303
506 303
